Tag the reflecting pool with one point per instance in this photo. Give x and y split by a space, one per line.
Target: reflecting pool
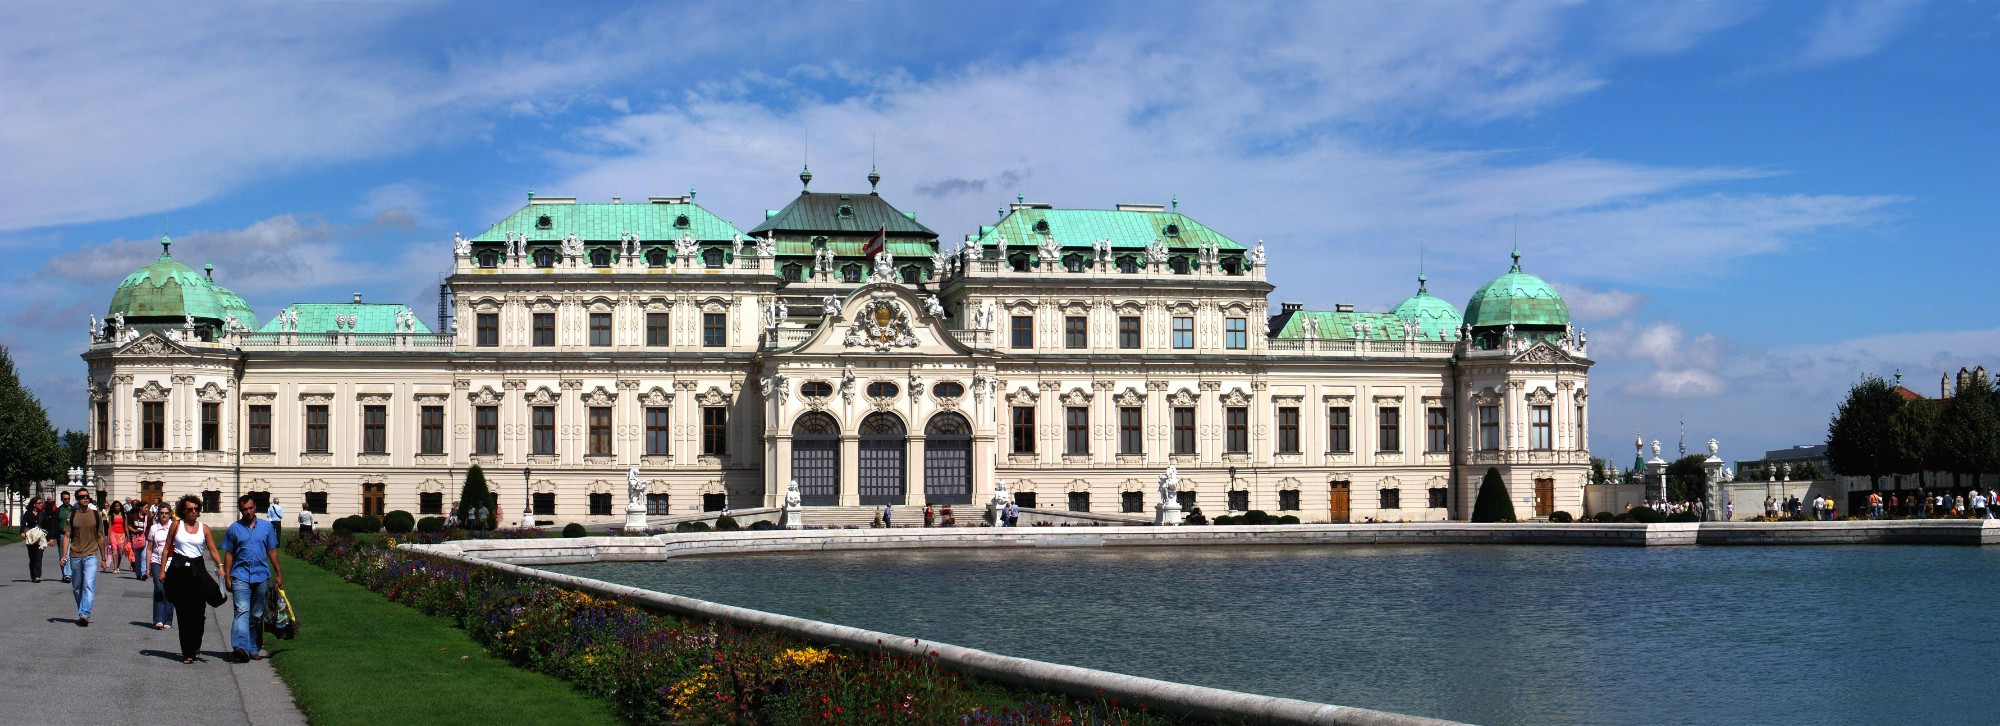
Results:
1487 634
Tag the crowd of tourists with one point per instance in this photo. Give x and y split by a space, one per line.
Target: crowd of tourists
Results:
1920 504
170 546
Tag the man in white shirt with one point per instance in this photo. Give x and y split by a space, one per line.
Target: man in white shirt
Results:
277 516
305 521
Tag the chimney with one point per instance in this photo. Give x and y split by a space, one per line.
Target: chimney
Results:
615 200
357 297
1290 307
1343 307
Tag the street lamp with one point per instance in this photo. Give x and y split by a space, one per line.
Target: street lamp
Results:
527 500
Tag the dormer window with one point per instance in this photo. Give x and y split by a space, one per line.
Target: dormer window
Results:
1172 230
545 257
794 272
600 257
846 211
1128 265
543 222
711 257
850 273
489 258
1018 261
1179 265
819 242
912 274
681 222
656 257
1073 263
1042 226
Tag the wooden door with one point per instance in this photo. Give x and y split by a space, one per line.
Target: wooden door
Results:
1545 497
1337 502
151 491
371 498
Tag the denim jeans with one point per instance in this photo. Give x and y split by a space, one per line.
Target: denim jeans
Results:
246 631
83 582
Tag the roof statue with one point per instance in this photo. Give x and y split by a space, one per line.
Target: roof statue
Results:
1156 253
735 246
1310 326
885 266
768 246
460 246
829 305
1003 245
1257 255
932 307
1050 250
684 248
572 246
93 327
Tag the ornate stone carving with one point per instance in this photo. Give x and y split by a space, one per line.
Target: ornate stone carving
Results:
316 398
882 324
1235 397
1183 397
1077 397
657 396
1541 397
1543 353
374 398
1131 397
485 396
542 396
713 397
152 391
211 392
1021 397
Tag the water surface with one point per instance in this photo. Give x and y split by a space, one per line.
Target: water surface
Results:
1486 634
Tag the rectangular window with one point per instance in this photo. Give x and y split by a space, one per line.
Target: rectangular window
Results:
1128 332
374 429
1236 424
1131 502
542 430
486 421
488 326
1183 332
1392 499
1339 430
714 330
657 505
1239 500
103 426
1024 500
1079 501
211 501
657 430
656 330
431 421
316 431
1389 421
1236 333
431 503
714 430
1131 430
211 426
1578 428
1024 332
600 504
260 429
1288 500
1540 432
1437 431
600 431
1024 429
1438 498
1076 334
1076 430
545 330
153 417
1489 428
1288 430
600 329
1184 430
316 502
545 504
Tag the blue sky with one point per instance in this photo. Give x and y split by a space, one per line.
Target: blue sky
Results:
1747 204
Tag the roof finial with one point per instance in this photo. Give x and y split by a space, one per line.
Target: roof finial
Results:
1176 202
874 177
531 194
1020 198
1421 277
690 194
210 270
805 166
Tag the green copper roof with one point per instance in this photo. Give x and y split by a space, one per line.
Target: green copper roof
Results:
369 317
231 303
851 247
1027 227
606 222
1340 326
166 289
1516 298
1440 319
838 213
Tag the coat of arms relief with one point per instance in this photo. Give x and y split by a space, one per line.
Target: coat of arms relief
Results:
881 324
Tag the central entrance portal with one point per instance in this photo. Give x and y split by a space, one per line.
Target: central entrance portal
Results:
884 474
948 460
816 459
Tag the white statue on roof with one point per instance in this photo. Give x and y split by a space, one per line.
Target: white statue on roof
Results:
1310 327
459 246
1003 245
885 266
1050 249
1156 253
932 307
1411 328
572 246
768 246
118 320
1257 255
1360 329
735 246
829 305
93 327
684 248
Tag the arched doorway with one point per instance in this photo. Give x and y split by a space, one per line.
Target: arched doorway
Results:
816 459
948 460
883 445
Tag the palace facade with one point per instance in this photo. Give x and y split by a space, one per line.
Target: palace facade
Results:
1073 353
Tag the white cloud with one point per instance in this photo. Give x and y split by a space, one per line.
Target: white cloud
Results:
1855 29
1587 304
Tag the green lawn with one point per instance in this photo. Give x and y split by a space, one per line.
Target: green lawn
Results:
9 536
360 659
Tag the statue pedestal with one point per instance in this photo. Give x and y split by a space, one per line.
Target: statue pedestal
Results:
1167 514
793 517
635 517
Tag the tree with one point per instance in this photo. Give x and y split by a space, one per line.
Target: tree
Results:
1857 440
28 449
1966 432
1687 481
1599 473
1493 504
473 495
76 448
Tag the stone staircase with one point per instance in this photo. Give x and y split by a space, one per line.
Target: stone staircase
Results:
905 516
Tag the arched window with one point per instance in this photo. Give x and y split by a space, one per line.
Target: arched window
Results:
1018 261
948 459
1179 265
844 212
681 222
1042 226
1073 263
816 458
883 444
1232 265
600 257
543 222
712 257
794 272
656 257
912 274
545 257
1128 265
489 258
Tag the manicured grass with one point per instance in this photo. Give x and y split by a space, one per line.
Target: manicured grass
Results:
360 659
9 537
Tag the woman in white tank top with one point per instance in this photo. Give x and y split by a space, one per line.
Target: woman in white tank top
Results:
188 582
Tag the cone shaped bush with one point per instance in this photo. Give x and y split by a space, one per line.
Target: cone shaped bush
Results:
1493 504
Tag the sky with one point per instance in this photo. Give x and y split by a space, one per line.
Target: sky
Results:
1747 205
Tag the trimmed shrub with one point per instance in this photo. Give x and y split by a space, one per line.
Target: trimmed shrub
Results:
573 530
473 494
691 527
1226 519
762 524
399 522
1683 517
1257 516
430 525
1624 518
1560 516
1493 504
1646 515
726 523
367 523
344 525
1604 517
1289 519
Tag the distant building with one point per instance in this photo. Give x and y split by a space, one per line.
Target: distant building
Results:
1814 454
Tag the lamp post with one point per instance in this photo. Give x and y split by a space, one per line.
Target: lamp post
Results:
527 499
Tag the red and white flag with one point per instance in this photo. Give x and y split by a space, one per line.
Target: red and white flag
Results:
876 243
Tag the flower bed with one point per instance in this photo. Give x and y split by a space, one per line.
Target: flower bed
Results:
660 669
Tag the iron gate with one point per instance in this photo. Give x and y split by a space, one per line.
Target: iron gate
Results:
948 460
883 473
816 459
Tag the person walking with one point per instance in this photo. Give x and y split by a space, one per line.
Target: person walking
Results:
930 516
277 515
60 530
188 584
136 522
305 521
249 568
887 514
157 555
114 539
82 550
36 538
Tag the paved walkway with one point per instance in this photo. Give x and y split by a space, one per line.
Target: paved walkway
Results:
119 670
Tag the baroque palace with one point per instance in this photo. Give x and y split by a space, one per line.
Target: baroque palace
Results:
1073 353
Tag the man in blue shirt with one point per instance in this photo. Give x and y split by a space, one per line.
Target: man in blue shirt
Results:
249 568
